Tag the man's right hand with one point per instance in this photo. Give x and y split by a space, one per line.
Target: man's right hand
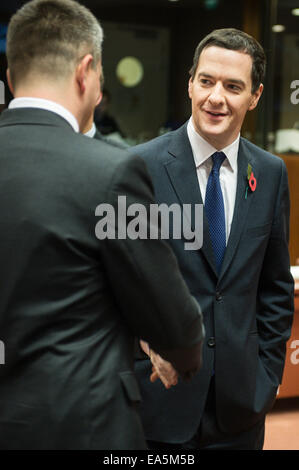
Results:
161 369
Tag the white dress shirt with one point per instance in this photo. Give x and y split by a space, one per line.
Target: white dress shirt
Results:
202 151
48 105
91 131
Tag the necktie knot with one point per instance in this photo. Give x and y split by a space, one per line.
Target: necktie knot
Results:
218 158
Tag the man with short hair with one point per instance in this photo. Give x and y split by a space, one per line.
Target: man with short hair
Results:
71 304
241 275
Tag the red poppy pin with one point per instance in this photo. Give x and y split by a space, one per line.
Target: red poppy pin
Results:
251 180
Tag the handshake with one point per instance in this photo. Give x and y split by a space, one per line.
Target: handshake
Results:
161 369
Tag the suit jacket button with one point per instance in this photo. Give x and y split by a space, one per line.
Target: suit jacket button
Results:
211 342
218 296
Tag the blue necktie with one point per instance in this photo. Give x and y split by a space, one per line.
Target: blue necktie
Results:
214 209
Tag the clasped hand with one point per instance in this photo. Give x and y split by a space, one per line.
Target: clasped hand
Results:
161 368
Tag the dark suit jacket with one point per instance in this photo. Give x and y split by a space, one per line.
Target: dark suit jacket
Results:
247 309
71 304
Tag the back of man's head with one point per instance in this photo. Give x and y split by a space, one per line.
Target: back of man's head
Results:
49 37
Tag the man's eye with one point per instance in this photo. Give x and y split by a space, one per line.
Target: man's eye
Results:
205 81
234 87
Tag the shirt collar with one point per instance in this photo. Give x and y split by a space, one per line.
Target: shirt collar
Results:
91 131
28 102
202 150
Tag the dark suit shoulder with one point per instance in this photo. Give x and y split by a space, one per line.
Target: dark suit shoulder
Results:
110 141
90 164
99 152
103 145
117 165
263 156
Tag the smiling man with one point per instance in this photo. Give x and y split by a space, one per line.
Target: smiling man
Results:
241 275
221 91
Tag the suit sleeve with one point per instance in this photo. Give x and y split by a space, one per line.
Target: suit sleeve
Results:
146 281
276 289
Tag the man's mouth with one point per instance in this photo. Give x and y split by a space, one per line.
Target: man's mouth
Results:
215 113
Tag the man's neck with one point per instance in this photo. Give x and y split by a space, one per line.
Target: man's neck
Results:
90 130
57 93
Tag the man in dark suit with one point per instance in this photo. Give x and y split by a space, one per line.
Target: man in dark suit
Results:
241 275
72 302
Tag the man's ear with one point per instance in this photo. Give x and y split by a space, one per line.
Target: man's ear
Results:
99 99
82 72
9 81
255 97
190 87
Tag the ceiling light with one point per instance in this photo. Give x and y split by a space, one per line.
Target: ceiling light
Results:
295 12
278 28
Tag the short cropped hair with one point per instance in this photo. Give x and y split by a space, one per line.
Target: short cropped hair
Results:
50 37
236 40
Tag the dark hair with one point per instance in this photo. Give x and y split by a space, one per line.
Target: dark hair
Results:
50 37
236 40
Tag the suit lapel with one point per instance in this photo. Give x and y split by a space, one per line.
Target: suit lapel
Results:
182 173
242 204
181 170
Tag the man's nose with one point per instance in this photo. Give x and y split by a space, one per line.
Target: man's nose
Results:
217 95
